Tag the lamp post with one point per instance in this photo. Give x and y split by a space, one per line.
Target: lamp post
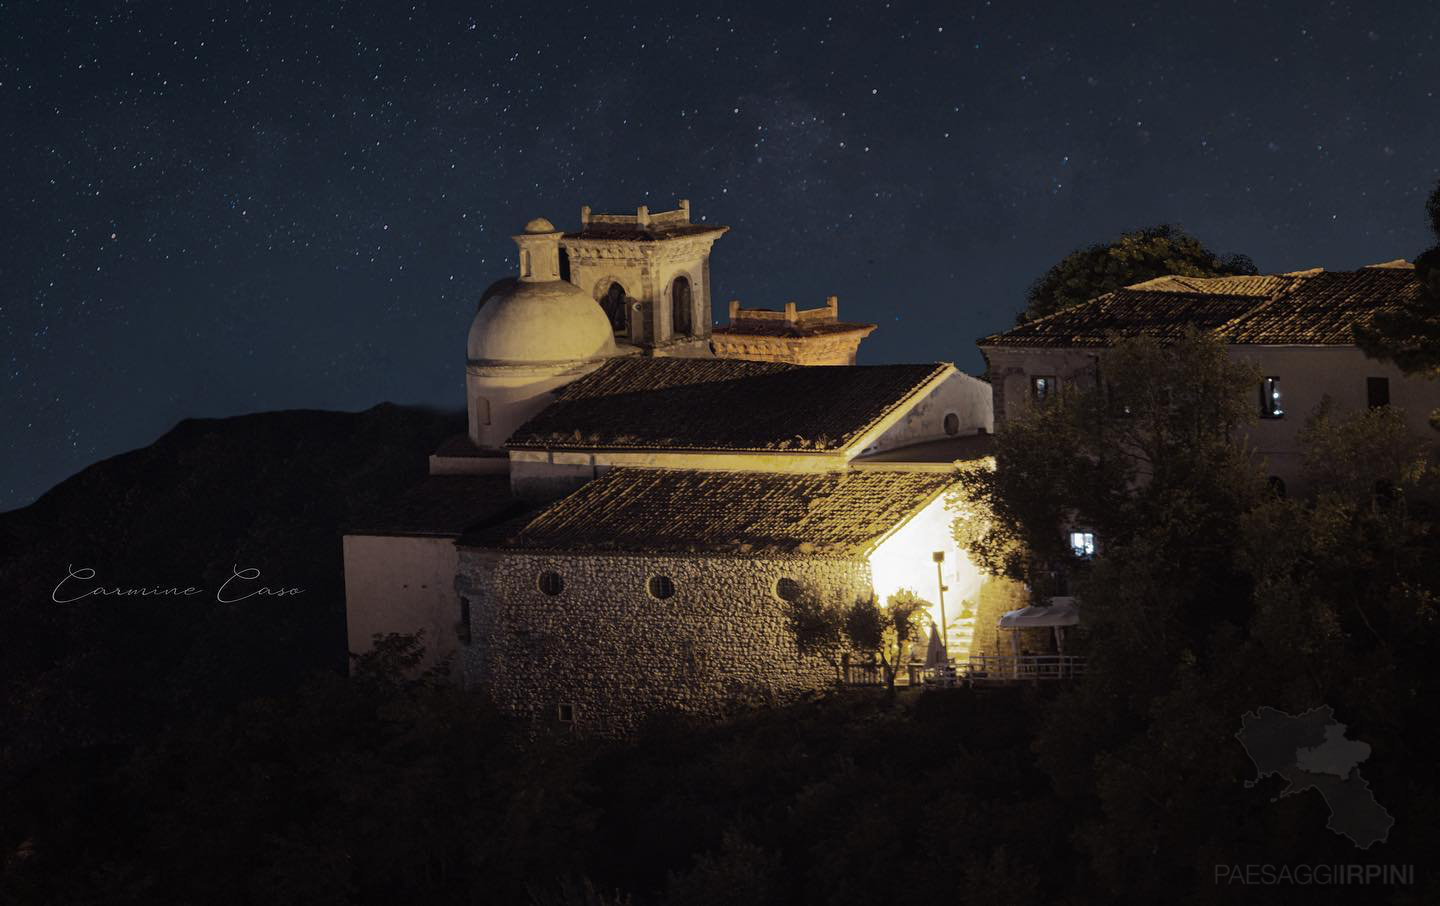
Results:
939 558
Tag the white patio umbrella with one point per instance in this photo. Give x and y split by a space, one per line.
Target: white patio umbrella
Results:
1061 612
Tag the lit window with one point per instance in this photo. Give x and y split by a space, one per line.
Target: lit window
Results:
952 424
551 583
1270 403
1082 544
661 587
1043 387
1377 392
788 589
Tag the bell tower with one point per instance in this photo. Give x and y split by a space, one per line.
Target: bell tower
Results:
651 275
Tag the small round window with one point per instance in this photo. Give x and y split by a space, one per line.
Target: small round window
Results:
952 424
551 583
788 589
661 587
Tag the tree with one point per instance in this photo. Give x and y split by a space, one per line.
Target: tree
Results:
1132 258
827 629
885 631
1151 440
1409 333
1337 606
817 625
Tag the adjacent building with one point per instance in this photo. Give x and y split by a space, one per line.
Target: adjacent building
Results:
1296 327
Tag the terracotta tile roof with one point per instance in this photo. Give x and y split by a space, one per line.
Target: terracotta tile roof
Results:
754 327
1242 285
1315 307
1321 310
831 514
721 404
441 505
1127 313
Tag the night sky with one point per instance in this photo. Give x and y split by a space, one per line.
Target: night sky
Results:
213 209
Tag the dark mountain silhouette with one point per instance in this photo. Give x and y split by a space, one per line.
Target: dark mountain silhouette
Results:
268 491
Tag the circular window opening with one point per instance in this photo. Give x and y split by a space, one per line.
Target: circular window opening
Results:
551 583
661 587
952 424
788 589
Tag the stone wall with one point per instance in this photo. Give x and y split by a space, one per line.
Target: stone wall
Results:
998 596
605 652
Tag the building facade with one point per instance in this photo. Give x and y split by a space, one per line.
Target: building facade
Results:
1296 328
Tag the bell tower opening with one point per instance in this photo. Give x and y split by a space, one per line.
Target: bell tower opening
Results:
650 272
614 304
682 315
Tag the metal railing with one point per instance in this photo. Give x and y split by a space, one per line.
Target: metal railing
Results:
980 668
1022 667
867 674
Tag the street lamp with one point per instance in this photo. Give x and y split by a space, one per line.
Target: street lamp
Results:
939 558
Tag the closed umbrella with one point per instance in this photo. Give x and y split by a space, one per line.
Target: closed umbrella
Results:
935 652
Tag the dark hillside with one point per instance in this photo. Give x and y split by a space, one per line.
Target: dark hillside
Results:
269 491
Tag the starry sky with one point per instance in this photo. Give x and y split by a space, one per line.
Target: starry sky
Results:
217 208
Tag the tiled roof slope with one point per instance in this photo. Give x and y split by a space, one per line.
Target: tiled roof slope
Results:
1321 310
721 404
1245 285
1308 308
834 514
1127 313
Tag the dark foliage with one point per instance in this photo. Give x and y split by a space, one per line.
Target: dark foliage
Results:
1132 258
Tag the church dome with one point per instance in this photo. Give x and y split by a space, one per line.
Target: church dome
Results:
553 321
539 318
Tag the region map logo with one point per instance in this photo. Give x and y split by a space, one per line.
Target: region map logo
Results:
1311 752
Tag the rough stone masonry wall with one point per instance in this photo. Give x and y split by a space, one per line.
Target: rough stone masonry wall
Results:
997 597
614 653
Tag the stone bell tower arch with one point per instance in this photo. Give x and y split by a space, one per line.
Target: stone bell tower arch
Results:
651 274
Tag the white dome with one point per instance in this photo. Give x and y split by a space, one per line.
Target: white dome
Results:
538 322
